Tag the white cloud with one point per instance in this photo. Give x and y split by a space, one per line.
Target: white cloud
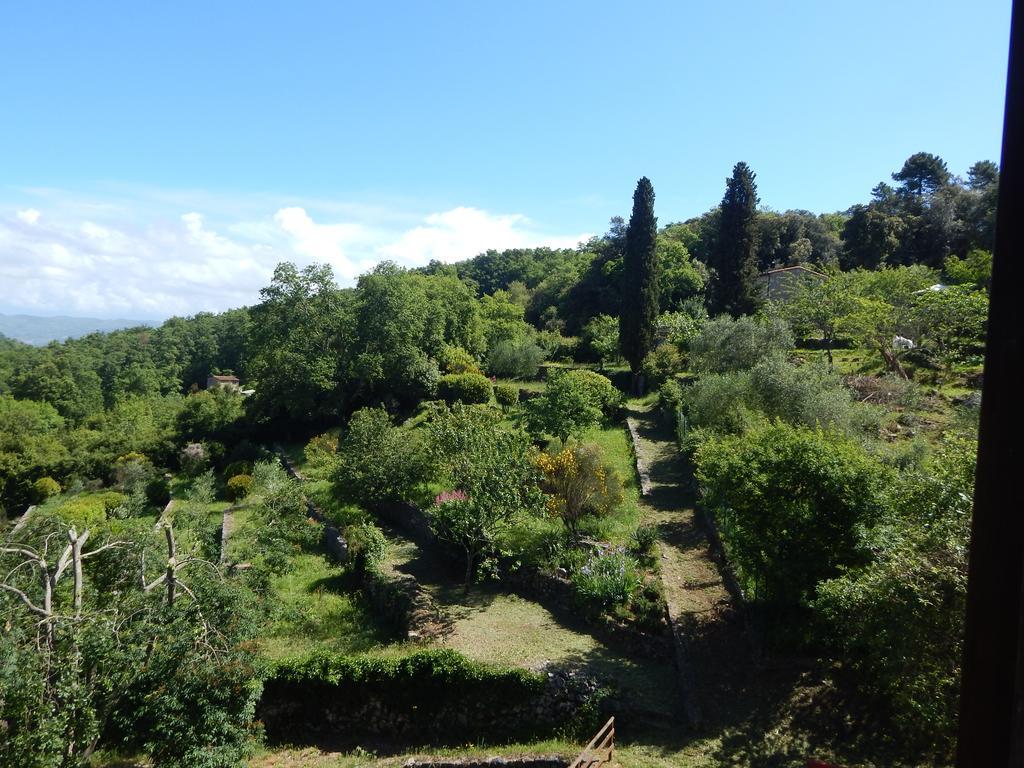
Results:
108 259
463 232
325 242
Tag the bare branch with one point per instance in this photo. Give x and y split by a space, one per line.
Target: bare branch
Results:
96 551
26 551
155 583
65 559
25 599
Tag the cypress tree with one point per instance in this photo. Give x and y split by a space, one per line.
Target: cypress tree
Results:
735 288
639 313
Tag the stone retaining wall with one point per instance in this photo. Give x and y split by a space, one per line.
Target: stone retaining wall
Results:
402 602
308 712
333 541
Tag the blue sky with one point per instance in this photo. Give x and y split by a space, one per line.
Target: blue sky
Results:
159 158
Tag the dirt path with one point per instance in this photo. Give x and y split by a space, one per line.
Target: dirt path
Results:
712 651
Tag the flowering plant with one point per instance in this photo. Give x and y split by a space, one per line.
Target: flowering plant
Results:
448 496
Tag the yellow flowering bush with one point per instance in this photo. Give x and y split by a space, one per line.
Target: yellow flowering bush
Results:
578 483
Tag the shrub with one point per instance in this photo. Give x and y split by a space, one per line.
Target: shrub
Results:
790 503
598 388
573 401
458 360
578 484
515 360
670 399
725 344
320 451
87 511
367 546
44 488
662 363
898 620
647 609
193 459
507 395
132 470
238 468
469 388
377 461
112 501
606 580
239 486
720 402
158 492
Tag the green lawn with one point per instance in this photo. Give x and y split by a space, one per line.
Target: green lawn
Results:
319 612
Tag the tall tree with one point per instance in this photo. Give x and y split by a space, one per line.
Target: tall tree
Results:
922 175
639 313
735 288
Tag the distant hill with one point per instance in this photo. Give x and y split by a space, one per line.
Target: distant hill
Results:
42 330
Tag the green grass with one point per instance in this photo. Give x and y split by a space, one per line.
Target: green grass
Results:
697 754
529 385
319 612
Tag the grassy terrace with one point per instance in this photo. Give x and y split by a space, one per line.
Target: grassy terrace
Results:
319 611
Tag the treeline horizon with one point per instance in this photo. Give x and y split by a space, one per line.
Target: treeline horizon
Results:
315 352
929 214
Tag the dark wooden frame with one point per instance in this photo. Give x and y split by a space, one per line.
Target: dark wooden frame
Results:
991 730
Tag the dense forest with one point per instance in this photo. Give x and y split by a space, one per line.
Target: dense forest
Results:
830 436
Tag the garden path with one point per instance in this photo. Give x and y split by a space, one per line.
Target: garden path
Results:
712 651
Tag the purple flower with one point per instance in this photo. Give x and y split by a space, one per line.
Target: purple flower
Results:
445 496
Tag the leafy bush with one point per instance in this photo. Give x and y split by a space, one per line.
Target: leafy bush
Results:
646 610
279 520
808 395
727 344
681 328
790 503
238 468
44 488
367 546
88 510
515 359
721 402
507 395
898 620
601 338
598 388
490 466
573 401
193 459
377 461
320 451
579 484
606 580
238 487
131 471
662 363
469 388
670 399
158 492
454 360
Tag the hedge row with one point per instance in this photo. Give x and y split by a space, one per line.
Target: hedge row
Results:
432 696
